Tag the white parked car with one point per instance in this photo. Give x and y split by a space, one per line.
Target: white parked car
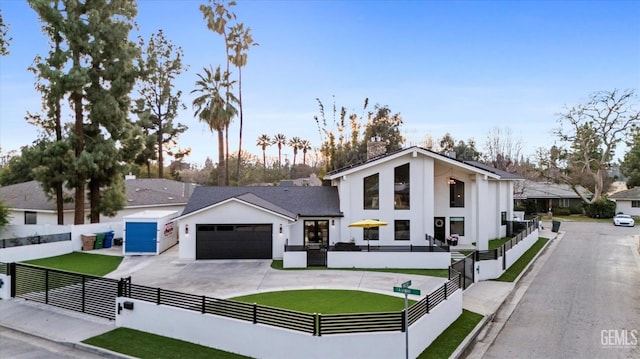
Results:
623 220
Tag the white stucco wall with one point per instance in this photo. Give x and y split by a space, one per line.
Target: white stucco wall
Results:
35 251
296 259
425 260
5 290
261 341
232 212
492 269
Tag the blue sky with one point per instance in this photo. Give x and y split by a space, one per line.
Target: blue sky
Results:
462 67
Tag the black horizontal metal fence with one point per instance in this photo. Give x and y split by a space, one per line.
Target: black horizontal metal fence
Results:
524 230
36 239
315 324
371 248
73 291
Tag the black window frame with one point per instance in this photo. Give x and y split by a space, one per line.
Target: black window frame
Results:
401 187
371 190
396 232
456 193
452 228
30 217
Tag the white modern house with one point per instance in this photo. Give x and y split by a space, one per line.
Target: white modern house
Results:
418 193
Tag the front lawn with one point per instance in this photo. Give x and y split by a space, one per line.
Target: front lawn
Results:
146 345
327 301
449 340
496 243
443 273
80 262
516 268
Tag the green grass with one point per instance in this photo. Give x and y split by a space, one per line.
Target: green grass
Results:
327 301
496 243
516 268
449 340
146 345
79 262
443 273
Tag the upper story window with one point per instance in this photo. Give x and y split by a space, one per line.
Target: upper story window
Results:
401 187
456 192
30 217
371 188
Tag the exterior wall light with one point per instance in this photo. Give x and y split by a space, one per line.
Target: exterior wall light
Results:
280 228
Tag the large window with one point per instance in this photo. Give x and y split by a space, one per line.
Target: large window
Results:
30 218
401 230
456 192
371 192
456 225
401 187
563 203
371 234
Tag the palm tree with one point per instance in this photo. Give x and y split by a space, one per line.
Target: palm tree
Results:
239 40
212 108
264 141
296 144
279 140
305 146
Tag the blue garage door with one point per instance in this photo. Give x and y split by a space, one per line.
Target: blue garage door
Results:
141 237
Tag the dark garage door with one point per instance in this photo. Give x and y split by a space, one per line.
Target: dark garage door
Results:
236 241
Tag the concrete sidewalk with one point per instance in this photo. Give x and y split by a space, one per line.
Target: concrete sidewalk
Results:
71 328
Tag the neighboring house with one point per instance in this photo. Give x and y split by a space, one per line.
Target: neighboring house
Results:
627 202
416 191
548 195
28 203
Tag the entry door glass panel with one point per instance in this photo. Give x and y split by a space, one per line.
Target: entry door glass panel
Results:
316 232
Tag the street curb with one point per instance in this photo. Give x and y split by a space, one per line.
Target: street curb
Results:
466 343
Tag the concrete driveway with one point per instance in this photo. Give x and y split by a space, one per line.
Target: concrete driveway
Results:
230 278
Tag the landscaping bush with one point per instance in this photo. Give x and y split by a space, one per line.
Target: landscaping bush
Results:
576 209
561 211
603 208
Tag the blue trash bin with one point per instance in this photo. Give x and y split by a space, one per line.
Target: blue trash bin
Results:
108 239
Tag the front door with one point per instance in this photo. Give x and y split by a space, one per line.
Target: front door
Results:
316 240
439 229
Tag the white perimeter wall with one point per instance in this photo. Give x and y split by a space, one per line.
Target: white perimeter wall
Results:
44 250
5 290
351 259
261 341
492 269
297 259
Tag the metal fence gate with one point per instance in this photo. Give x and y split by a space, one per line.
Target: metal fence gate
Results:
465 267
73 291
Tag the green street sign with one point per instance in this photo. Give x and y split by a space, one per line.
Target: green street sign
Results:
406 290
406 284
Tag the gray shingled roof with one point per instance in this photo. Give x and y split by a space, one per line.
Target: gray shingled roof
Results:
629 195
289 201
140 192
501 173
533 189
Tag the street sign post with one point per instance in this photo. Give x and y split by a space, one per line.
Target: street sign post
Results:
404 288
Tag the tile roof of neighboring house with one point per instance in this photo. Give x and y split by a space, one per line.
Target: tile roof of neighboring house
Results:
473 165
533 189
629 195
290 201
140 193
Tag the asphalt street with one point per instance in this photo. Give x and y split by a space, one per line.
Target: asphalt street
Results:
19 345
583 303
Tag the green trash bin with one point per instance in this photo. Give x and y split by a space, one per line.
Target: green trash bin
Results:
99 241
555 226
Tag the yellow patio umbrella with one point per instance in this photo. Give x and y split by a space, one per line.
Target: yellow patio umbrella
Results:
368 223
